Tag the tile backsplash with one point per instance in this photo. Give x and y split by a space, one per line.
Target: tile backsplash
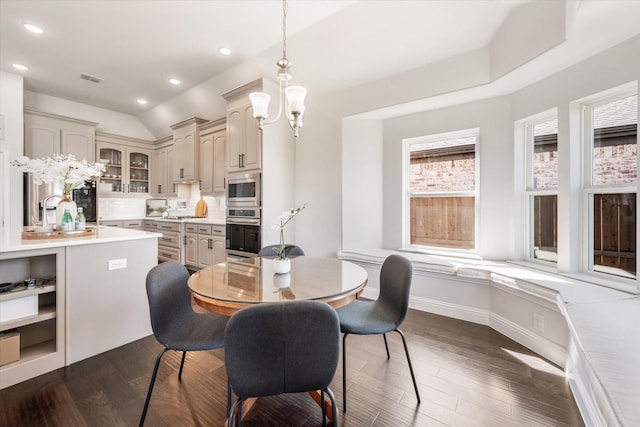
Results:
133 208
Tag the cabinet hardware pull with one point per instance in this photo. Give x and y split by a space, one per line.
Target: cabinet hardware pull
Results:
239 160
209 244
159 188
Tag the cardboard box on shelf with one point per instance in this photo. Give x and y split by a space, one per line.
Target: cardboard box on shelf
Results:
9 347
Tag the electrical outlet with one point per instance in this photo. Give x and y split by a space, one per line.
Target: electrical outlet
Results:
116 264
538 322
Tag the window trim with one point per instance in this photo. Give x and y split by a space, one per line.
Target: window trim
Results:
588 189
527 125
406 194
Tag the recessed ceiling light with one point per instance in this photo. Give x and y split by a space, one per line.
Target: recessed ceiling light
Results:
33 28
224 51
141 101
175 82
20 67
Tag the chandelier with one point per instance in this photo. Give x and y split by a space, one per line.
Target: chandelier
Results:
294 94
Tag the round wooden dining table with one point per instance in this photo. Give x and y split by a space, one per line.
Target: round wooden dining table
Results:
227 287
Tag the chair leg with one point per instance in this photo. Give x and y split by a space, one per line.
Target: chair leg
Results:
184 354
153 380
406 351
228 396
334 408
231 417
344 372
323 406
386 346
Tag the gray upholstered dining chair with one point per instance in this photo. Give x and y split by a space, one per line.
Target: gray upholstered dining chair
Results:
175 325
384 315
268 251
282 347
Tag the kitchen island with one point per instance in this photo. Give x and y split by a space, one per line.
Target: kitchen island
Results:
89 296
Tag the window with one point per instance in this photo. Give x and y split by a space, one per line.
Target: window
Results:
541 136
441 178
610 138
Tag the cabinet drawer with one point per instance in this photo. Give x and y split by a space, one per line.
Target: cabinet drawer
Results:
169 226
218 230
132 224
169 239
111 223
204 229
191 228
168 254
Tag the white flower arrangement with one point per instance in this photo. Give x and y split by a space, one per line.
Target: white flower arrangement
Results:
60 168
283 250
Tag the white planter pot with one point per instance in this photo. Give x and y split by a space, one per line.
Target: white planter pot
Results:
282 266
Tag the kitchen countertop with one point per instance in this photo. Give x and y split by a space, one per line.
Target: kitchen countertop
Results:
12 240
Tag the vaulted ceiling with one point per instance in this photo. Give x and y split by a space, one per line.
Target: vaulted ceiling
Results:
136 46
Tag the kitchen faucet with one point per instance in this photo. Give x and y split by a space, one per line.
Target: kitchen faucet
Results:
44 208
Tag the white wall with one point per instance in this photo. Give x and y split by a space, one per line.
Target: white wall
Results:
493 118
362 160
108 121
12 146
318 181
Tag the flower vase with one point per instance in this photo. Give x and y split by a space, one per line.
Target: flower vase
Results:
281 266
65 203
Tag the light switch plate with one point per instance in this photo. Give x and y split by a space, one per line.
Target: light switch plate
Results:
116 264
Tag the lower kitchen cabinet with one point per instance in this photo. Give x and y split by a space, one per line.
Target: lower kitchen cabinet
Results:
170 244
205 245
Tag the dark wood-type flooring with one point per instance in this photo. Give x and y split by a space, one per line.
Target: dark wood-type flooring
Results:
468 375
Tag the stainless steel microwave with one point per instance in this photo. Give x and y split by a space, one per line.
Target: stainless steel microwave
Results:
243 189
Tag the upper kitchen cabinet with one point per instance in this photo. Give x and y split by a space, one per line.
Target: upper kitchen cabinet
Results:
161 183
244 140
213 141
47 134
186 137
128 165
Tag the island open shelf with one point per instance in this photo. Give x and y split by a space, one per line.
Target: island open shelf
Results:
36 313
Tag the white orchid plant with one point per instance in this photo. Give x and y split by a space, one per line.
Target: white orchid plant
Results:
60 168
282 250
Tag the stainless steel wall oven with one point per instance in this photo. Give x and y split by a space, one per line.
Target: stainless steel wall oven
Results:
243 232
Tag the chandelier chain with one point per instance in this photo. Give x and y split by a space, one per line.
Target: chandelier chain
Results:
285 8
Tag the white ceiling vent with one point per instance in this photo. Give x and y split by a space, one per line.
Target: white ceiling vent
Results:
91 78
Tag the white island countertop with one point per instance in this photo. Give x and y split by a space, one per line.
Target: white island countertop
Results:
11 240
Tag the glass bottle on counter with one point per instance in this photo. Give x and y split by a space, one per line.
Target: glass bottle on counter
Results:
67 221
81 221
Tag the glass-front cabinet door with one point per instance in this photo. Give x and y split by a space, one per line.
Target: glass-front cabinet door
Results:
138 172
112 179
127 172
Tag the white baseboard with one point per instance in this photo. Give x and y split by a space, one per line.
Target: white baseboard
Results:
550 350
